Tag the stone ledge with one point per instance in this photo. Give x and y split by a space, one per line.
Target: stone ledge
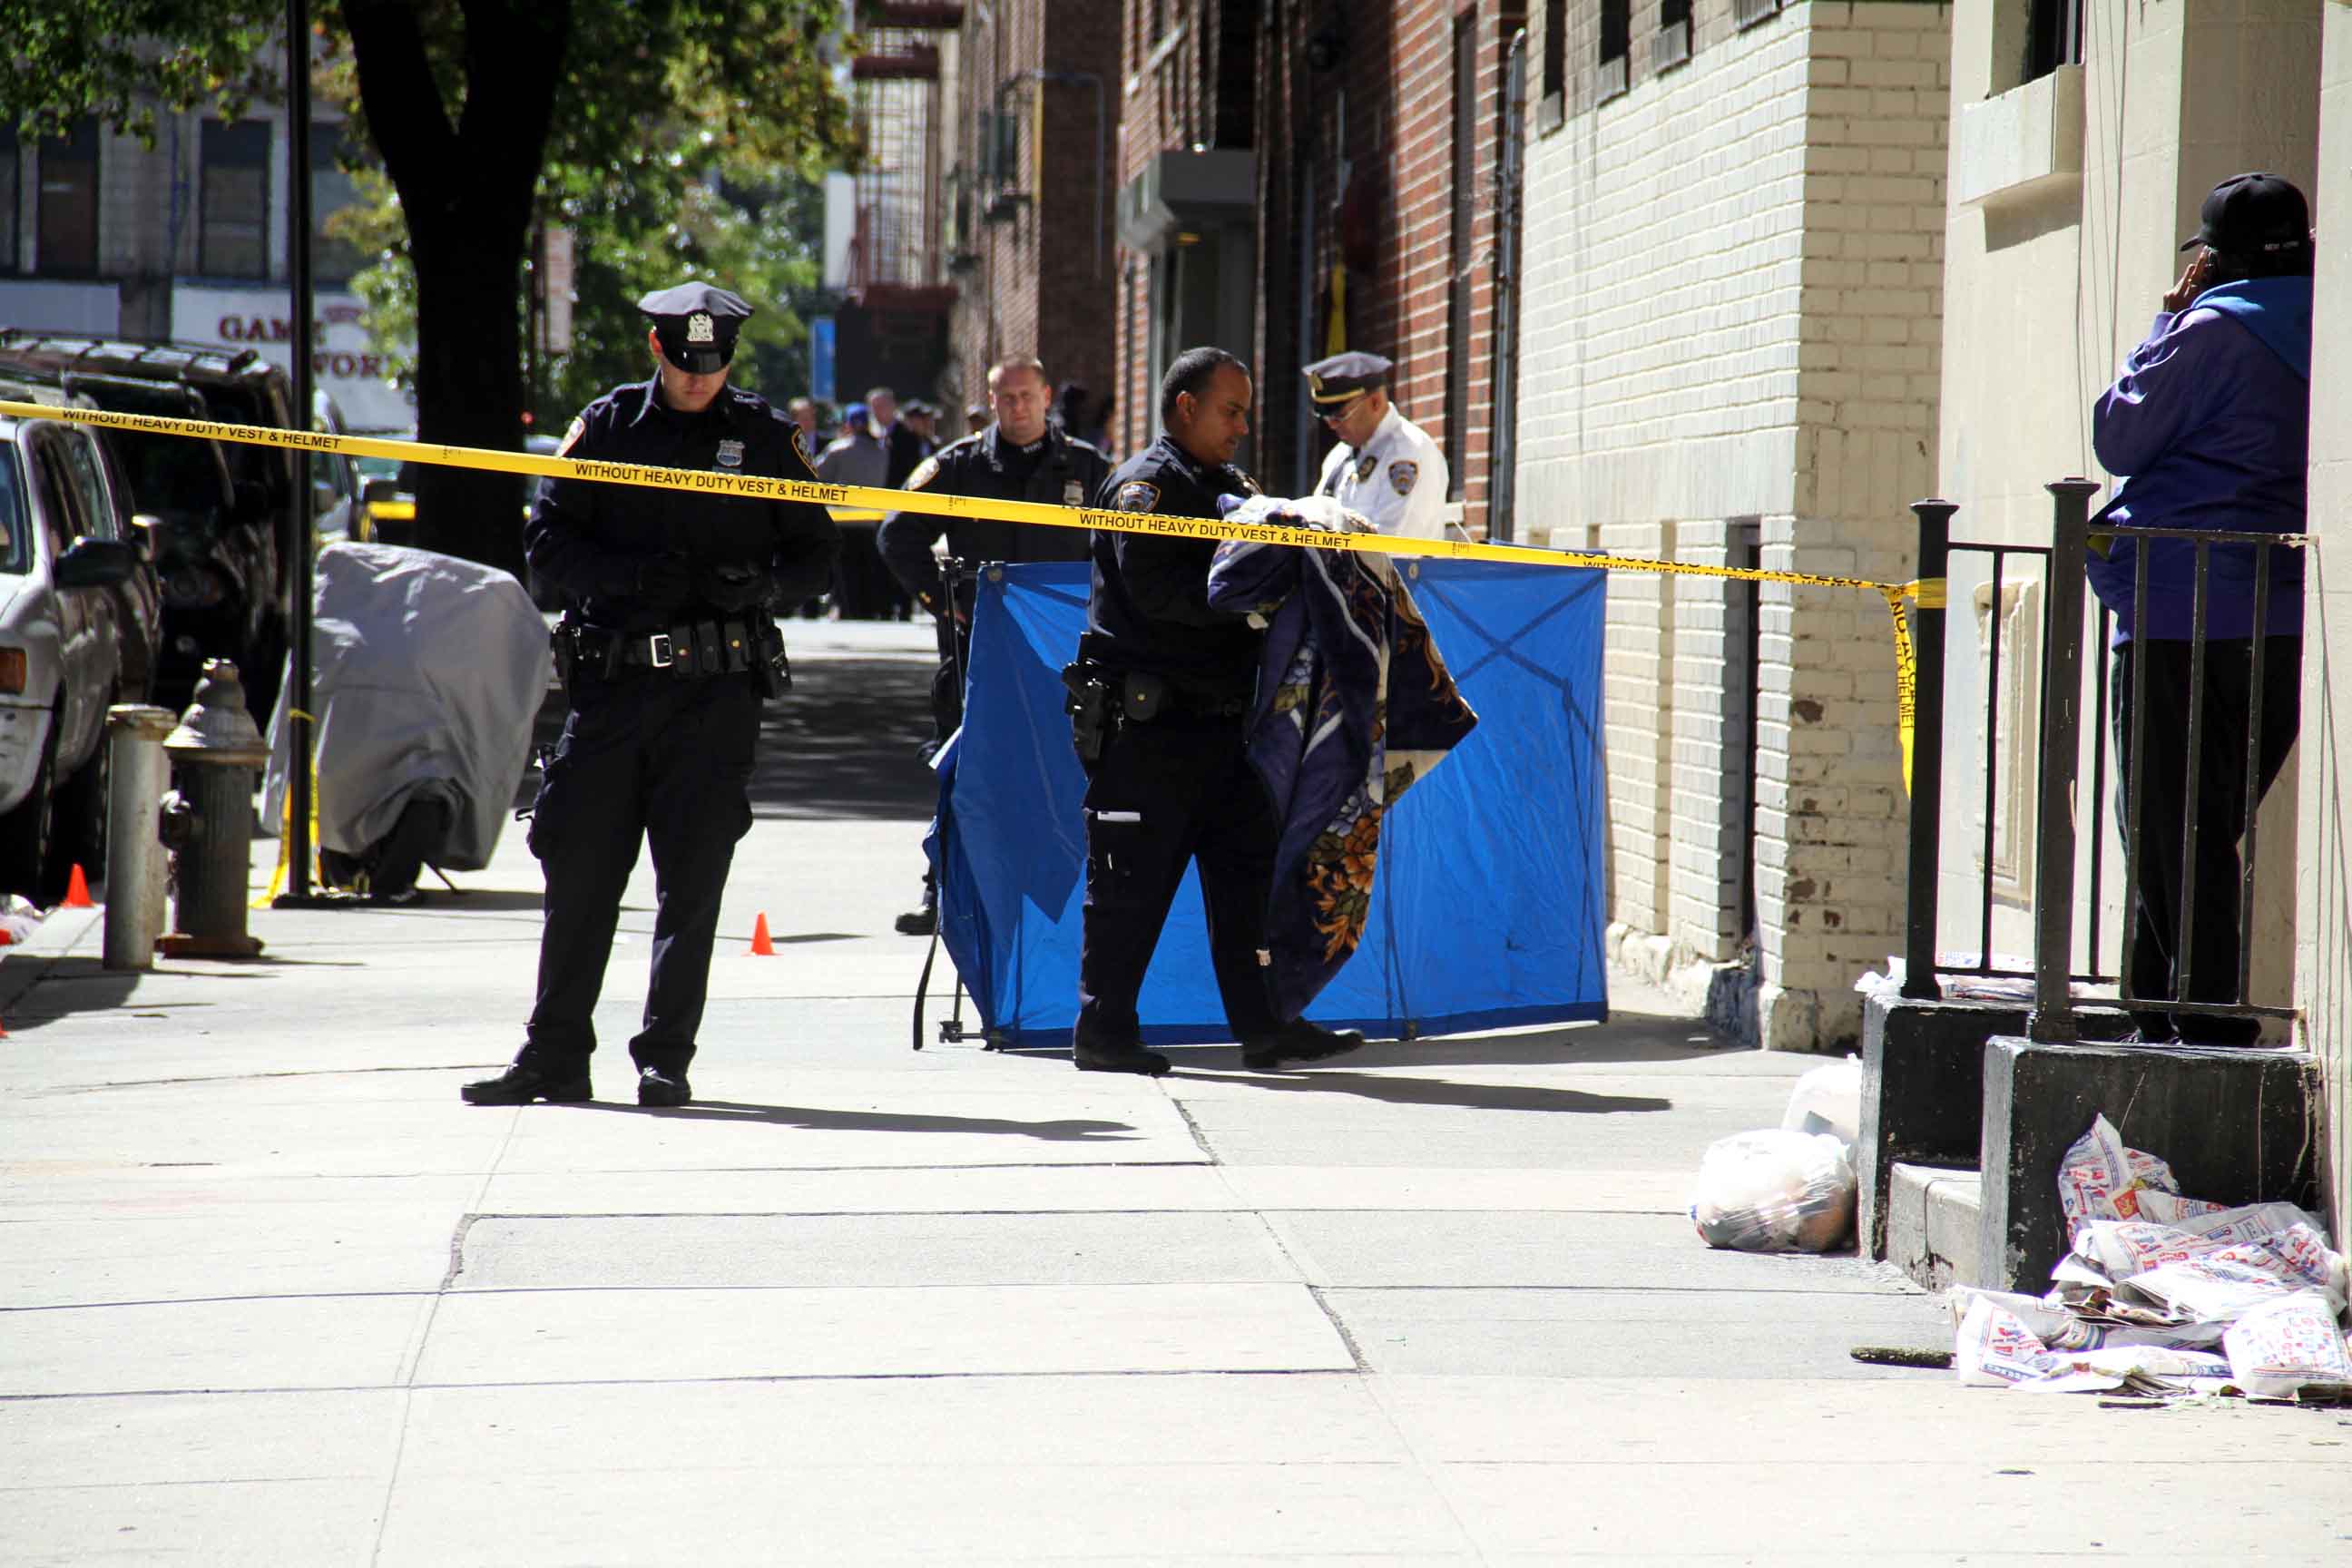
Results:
2237 1126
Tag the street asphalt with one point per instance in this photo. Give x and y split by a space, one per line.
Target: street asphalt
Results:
270 1293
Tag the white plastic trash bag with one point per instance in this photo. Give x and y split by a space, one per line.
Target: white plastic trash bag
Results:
1775 1191
1828 1100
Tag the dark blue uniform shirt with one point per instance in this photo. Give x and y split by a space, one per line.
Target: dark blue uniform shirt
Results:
1149 609
587 538
1067 473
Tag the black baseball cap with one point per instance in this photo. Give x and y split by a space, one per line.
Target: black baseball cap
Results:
697 325
2253 215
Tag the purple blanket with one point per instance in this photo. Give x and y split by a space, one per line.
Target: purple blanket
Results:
1354 704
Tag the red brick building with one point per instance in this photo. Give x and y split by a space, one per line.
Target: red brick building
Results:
1295 178
1036 103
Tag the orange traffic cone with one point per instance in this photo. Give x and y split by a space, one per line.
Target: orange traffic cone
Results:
77 891
763 946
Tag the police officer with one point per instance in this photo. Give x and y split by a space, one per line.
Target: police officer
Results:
1021 456
1161 692
667 650
1385 466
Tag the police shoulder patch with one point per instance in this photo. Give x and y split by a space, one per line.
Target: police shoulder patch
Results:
572 437
925 472
1136 495
1401 477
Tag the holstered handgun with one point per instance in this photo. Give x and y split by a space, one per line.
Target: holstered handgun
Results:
770 669
1092 703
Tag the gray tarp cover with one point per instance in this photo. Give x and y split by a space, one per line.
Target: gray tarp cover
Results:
429 671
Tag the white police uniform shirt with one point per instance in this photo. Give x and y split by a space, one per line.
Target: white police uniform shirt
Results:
1397 479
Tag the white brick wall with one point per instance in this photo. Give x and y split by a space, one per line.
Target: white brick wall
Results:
1732 309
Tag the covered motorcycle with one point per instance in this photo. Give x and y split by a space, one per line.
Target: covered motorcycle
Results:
428 675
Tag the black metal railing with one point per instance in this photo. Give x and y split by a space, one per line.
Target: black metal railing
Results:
2182 995
1924 960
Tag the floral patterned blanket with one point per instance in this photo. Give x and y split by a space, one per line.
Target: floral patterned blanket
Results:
1354 705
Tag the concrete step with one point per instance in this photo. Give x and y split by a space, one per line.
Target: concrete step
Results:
1933 1222
1923 1088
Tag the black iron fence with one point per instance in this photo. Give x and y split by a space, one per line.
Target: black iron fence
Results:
2199 685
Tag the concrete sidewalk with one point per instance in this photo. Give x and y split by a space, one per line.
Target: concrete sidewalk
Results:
273 1295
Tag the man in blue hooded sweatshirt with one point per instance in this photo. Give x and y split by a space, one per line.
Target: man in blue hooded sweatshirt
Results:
2210 420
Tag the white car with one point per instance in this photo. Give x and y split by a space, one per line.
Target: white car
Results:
64 543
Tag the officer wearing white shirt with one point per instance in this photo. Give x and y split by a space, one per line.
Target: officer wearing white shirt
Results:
1385 466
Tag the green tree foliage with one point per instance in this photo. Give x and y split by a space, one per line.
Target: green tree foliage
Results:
655 118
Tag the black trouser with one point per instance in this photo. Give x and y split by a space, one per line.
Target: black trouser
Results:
1163 794
644 756
2221 764
947 683
863 589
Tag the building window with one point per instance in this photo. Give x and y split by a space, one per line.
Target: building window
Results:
1611 76
68 210
2053 37
11 182
332 261
233 237
1457 310
1669 46
1550 101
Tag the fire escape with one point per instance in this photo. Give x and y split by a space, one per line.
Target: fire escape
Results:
896 260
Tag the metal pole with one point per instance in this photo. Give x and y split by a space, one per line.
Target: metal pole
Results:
2053 1017
135 871
298 260
1501 442
1927 749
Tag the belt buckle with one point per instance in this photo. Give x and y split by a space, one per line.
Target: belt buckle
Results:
659 653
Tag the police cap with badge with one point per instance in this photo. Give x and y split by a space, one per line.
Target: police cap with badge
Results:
1332 384
695 324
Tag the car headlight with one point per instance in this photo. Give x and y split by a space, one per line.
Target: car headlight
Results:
12 669
195 587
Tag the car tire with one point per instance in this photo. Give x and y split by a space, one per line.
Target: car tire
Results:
28 834
80 818
263 671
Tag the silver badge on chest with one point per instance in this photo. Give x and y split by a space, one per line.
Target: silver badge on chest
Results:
1073 493
730 454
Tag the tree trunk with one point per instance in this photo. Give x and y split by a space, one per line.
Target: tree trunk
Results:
469 393
467 190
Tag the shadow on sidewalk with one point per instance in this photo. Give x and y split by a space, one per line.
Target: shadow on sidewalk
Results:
818 1119
1394 1090
842 743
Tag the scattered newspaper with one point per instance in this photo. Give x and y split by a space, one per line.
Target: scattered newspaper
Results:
2164 1295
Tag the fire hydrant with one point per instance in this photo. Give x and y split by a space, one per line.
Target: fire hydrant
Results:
207 821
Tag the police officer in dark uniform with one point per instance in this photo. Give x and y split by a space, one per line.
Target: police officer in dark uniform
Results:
1161 696
667 649
1021 456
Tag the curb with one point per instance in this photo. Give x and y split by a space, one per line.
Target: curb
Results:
26 963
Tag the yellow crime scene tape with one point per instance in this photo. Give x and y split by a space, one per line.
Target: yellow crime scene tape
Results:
857 501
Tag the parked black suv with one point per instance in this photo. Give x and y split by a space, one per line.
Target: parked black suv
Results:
223 509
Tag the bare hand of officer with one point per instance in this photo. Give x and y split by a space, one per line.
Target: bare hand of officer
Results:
730 588
665 581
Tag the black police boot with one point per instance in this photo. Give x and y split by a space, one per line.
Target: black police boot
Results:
532 1077
1118 1058
663 1088
925 921
1299 1041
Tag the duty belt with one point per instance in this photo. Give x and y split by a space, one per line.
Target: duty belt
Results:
693 651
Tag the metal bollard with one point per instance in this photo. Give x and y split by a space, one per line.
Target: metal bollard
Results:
208 820
135 873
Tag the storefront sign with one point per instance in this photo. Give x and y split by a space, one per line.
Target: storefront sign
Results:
344 363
